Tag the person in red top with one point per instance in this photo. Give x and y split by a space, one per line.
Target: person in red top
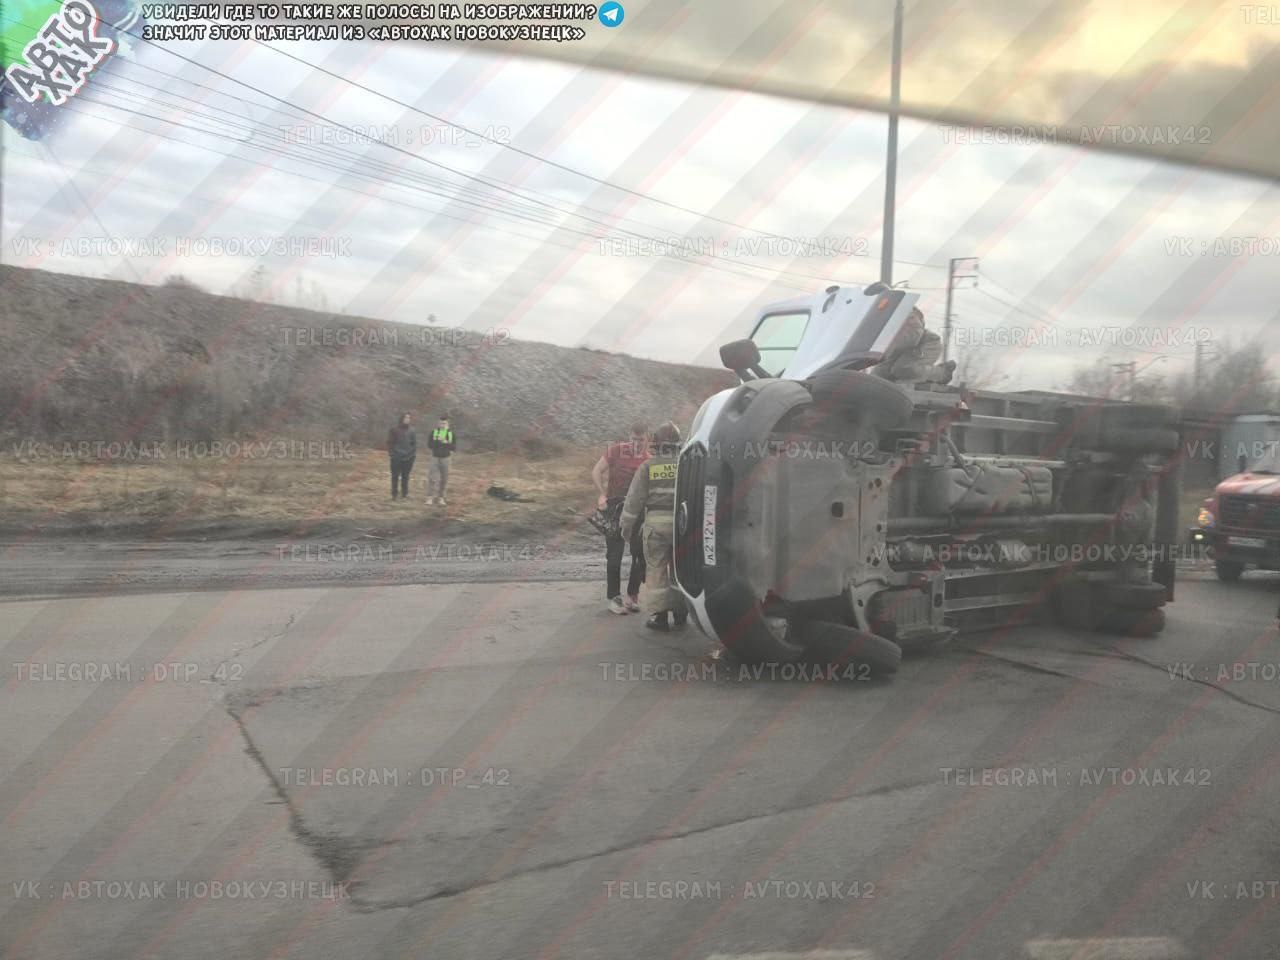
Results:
612 476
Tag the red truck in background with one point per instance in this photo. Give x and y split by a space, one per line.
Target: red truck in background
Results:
1240 523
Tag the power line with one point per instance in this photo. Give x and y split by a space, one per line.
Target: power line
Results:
717 262
493 140
487 138
532 155
775 276
494 184
301 176
486 182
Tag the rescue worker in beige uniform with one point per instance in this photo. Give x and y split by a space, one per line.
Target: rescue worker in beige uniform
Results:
653 491
913 357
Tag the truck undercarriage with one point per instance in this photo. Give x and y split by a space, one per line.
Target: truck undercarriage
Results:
853 517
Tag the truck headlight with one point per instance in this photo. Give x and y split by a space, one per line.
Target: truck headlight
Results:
1205 517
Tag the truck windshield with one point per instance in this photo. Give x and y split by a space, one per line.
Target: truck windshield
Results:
777 336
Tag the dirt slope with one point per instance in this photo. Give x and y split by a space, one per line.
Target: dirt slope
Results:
101 360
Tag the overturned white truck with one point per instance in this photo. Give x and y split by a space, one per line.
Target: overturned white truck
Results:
823 509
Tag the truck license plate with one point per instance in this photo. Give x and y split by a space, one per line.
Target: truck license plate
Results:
1246 542
709 525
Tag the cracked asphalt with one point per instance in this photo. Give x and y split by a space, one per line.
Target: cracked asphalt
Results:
503 769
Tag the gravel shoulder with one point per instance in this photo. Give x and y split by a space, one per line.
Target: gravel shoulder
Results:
257 558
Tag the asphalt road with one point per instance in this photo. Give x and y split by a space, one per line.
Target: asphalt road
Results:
501 770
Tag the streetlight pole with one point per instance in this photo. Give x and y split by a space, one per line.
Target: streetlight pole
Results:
891 164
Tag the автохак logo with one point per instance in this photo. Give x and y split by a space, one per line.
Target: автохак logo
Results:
58 60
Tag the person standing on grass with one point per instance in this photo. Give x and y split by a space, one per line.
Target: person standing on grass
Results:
402 448
612 477
442 446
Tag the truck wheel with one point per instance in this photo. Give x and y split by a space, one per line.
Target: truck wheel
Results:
1228 571
843 644
1134 623
885 404
1074 605
1135 596
735 614
1139 440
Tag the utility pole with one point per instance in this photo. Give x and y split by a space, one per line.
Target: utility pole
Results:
1199 366
952 276
1131 368
891 165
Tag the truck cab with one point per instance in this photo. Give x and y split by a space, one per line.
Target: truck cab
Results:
1240 523
825 506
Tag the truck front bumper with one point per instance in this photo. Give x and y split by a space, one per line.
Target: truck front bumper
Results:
1240 546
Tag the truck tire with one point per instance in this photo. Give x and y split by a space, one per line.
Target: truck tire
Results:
1139 440
841 644
1134 623
1228 571
1134 596
886 405
1075 604
739 622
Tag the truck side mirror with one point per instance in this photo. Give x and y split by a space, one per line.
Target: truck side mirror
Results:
740 355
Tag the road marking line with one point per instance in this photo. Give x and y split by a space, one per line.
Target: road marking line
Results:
1100 948
809 955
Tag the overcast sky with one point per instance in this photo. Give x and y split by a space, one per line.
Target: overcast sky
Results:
1074 246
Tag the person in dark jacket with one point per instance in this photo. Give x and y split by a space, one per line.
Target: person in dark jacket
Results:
402 448
442 445
612 476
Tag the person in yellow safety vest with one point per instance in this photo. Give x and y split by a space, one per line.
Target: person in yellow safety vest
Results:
653 491
441 445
